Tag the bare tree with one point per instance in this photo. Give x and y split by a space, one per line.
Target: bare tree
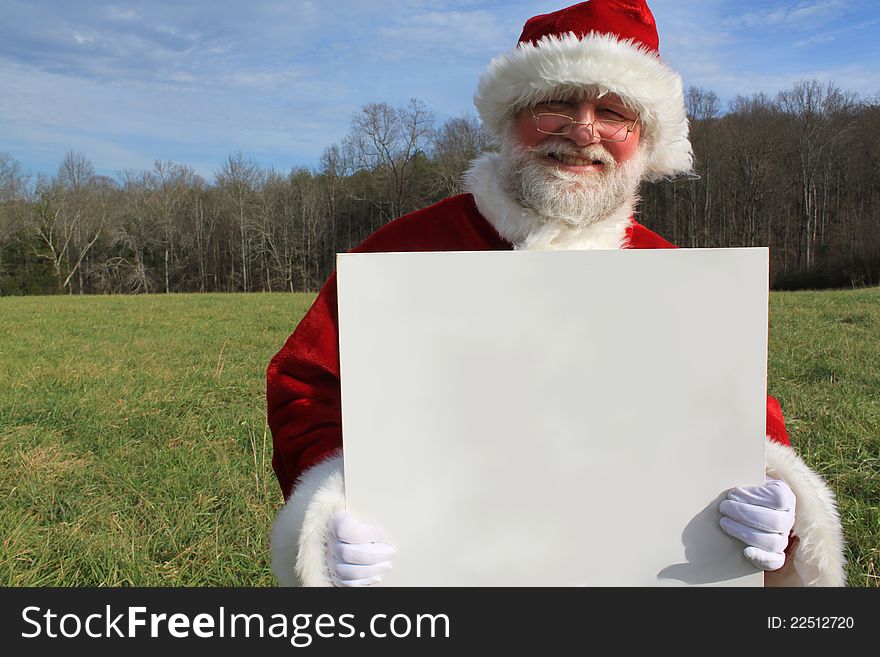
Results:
386 142
13 181
335 171
456 144
168 186
13 203
703 110
818 115
753 131
76 173
798 171
239 179
134 235
313 225
64 222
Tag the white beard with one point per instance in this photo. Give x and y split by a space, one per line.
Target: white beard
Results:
577 200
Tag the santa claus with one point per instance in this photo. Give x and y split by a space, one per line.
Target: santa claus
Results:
583 109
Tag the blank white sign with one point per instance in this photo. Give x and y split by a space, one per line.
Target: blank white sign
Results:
554 418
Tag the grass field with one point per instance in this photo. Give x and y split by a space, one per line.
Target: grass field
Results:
134 450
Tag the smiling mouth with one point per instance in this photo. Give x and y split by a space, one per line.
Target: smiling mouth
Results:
572 161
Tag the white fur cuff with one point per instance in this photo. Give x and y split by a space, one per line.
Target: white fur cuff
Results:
298 542
819 558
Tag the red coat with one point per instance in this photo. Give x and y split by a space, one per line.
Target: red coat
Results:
303 390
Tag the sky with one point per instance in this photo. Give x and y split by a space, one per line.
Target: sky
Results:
127 83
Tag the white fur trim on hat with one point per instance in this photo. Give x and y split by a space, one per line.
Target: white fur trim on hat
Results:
819 559
298 543
533 72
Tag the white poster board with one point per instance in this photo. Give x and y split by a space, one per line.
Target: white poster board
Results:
554 418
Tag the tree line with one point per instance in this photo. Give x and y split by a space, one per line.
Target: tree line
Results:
796 172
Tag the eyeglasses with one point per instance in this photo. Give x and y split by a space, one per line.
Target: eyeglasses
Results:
604 129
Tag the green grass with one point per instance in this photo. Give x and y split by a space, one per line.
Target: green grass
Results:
133 444
824 368
134 449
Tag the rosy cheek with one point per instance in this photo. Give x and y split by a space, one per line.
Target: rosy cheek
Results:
624 151
524 130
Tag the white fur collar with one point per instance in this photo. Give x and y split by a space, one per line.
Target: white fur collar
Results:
526 230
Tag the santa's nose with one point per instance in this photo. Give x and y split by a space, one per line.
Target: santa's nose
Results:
582 130
583 134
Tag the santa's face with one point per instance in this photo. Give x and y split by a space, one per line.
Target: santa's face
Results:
575 178
575 150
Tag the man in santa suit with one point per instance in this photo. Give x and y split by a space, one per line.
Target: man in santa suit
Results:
583 109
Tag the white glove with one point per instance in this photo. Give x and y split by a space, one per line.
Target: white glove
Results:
356 552
762 518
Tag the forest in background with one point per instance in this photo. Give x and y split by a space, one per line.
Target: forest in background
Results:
798 172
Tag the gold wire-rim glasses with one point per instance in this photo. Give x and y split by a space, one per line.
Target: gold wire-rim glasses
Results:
592 124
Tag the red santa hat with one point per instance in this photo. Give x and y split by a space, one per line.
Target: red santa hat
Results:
610 46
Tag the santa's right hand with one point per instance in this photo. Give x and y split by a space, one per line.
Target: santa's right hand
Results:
357 554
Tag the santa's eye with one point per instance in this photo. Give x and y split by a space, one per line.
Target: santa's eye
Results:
611 114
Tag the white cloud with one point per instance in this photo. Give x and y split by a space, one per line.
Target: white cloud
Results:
804 15
833 35
194 81
445 34
119 14
816 39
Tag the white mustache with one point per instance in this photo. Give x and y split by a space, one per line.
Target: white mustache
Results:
593 152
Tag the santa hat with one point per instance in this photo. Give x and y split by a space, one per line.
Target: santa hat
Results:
607 45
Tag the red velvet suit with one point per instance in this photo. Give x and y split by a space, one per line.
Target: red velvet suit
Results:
303 390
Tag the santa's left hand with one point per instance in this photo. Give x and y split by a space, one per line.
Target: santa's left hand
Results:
762 518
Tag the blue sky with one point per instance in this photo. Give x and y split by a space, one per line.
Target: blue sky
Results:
126 83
